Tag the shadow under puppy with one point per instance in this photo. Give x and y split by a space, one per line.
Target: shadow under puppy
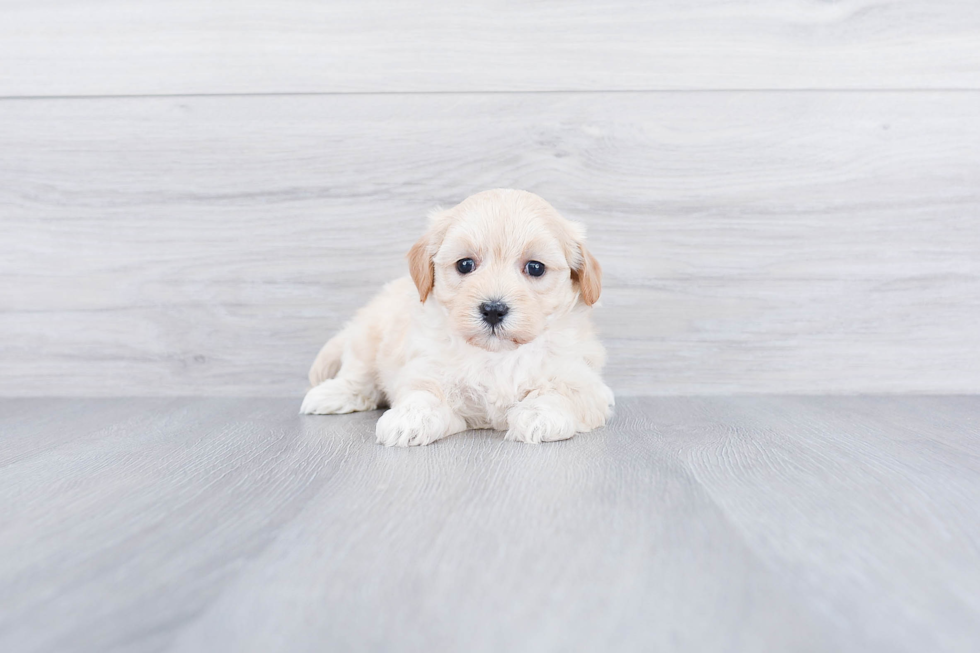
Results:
502 337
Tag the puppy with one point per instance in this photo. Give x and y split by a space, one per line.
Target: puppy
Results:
495 332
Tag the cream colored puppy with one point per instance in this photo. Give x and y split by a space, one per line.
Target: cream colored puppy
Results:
494 333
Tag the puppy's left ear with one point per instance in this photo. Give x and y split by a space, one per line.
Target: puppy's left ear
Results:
588 274
421 267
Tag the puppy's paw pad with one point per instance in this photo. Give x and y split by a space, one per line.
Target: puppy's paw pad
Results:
411 426
334 397
534 424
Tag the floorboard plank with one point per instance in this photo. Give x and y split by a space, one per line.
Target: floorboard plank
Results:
751 242
860 514
114 47
30 426
114 542
602 543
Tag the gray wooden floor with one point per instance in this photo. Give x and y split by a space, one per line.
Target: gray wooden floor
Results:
737 524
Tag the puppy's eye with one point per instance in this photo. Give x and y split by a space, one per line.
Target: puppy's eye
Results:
534 268
465 265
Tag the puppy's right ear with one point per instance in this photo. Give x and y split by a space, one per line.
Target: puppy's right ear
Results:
421 267
420 257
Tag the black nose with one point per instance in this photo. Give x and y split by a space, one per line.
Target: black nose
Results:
493 312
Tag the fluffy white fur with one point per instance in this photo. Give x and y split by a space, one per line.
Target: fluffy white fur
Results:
441 367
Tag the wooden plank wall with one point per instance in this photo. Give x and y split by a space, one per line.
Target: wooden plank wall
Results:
785 195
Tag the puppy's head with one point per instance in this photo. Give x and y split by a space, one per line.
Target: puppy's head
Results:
503 263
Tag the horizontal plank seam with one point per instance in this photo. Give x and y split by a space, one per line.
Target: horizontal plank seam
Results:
688 395
488 92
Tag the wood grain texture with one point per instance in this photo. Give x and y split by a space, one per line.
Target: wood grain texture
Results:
736 524
112 47
752 242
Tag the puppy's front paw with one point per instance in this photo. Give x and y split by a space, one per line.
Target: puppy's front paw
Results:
334 397
417 422
540 420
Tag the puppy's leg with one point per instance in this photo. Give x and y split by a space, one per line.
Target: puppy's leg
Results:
419 417
353 388
542 418
560 412
327 362
340 395
346 374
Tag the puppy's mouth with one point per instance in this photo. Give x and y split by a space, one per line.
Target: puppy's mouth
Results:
497 332
496 338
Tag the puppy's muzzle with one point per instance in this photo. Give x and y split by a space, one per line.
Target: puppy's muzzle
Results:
493 312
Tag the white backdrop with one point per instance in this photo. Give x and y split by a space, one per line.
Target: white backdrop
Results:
785 196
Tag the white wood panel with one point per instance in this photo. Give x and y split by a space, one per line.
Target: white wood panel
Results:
831 525
818 242
70 47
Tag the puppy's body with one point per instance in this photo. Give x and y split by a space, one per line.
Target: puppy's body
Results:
442 367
